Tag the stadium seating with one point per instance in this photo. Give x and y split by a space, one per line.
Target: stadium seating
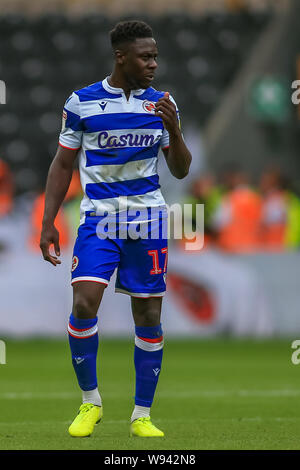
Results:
44 58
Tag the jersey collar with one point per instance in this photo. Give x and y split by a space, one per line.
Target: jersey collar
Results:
110 89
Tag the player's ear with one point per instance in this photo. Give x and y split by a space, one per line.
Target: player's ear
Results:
119 56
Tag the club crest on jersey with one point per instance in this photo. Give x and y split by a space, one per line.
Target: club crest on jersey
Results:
148 106
75 262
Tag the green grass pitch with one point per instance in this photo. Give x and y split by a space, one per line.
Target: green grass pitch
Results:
212 394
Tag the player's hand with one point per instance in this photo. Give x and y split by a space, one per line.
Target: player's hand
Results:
166 109
50 236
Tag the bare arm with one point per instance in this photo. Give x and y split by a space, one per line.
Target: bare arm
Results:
58 181
177 156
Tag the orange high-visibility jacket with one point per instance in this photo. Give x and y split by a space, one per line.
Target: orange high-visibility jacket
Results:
36 224
240 231
274 221
6 189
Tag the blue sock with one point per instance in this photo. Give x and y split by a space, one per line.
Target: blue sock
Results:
148 354
83 340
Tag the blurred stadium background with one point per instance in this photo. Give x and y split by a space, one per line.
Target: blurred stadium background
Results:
230 66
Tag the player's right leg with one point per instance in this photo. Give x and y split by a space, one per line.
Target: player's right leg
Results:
83 340
94 261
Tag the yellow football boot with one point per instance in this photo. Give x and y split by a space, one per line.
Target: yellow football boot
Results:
84 423
142 427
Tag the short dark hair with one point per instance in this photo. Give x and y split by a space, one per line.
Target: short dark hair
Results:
128 31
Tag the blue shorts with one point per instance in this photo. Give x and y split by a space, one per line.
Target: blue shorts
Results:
140 260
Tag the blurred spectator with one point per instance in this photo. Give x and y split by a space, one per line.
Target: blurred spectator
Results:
280 228
72 203
6 189
205 191
64 219
240 219
292 235
236 5
237 218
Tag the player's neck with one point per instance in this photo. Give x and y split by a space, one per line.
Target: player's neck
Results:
115 80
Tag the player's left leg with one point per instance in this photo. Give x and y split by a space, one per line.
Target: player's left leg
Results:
147 359
142 275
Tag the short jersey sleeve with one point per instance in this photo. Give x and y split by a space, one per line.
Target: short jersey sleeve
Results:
71 131
164 141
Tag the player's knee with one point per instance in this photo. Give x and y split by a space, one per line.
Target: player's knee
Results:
148 317
83 307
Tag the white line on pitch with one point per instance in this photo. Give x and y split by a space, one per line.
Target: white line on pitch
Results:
165 394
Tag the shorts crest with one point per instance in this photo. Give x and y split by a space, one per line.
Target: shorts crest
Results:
75 262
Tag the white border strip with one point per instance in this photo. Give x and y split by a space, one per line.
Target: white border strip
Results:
120 172
82 334
148 346
139 294
90 278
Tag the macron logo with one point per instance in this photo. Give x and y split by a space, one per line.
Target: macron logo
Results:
79 360
156 371
103 105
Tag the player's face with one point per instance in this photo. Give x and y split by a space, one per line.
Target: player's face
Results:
140 63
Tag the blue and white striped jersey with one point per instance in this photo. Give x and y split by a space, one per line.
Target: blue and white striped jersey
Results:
119 141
